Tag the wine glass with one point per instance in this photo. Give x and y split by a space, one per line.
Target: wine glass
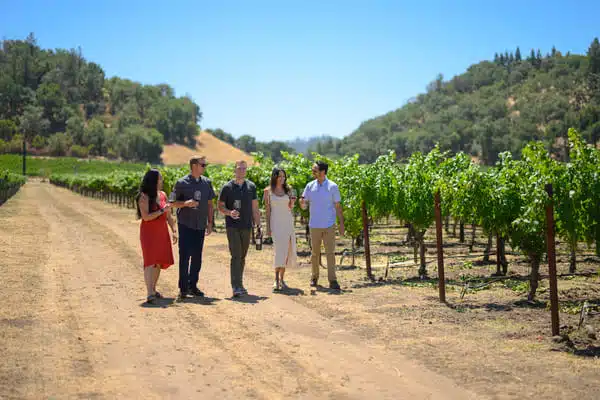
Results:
237 205
172 197
198 197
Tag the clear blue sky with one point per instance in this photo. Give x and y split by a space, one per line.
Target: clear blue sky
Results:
284 69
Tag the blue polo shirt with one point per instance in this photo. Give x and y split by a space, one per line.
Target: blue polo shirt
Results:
322 198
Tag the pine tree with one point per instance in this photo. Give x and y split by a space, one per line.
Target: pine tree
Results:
518 55
594 57
511 58
502 59
593 69
531 58
496 58
506 57
553 51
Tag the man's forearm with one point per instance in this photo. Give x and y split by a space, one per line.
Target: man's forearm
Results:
256 217
340 216
223 210
210 212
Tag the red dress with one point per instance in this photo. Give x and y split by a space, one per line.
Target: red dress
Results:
155 239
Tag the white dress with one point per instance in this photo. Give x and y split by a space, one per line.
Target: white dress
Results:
282 231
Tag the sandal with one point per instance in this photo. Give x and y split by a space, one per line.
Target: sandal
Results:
150 299
158 295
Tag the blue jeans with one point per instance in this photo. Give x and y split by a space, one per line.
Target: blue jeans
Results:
191 243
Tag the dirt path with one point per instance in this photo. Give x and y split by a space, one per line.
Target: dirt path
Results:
73 323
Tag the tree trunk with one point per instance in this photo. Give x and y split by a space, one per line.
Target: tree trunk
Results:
488 249
462 232
353 254
410 235
416 251
447 224
360 239
420 240
573 258
534 259
454 227
503 259
473 232
501 262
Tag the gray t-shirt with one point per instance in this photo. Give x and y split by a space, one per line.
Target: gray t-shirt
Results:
232 193
201 190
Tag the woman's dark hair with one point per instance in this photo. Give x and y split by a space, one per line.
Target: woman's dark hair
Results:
149 187
275 175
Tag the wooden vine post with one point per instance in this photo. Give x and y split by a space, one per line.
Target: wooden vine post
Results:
365 221
552 263
440 249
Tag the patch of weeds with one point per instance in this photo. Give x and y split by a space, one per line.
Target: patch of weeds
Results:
421 284
517 286
398 259
467 265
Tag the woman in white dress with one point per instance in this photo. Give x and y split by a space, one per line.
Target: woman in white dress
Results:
279 202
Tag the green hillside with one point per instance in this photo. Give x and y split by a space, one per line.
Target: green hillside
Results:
494 106
65 105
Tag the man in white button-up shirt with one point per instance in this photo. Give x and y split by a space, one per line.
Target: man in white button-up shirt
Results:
323 198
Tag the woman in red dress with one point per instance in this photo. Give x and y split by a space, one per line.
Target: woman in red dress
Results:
153 209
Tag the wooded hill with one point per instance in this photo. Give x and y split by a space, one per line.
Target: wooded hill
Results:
65 105
496 105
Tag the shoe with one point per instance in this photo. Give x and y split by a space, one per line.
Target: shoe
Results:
197 292
150 299
243 290
313 282
158 295
182 295
334 285
276 286
284 285
237 292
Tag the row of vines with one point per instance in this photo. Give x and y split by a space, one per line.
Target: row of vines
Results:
507 201
9 184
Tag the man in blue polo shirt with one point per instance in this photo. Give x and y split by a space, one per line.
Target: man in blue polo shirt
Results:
323 198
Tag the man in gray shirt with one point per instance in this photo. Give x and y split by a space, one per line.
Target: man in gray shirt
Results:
239 203
193 199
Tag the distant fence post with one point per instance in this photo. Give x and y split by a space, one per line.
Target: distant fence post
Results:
552 262
440 248
365 221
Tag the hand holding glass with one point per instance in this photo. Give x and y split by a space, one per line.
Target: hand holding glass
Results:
237 205
197 197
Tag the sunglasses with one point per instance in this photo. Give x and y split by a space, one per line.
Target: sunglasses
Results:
202 165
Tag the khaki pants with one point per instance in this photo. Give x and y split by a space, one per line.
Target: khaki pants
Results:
327 236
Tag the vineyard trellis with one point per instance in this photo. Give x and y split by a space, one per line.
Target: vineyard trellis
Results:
507 201
10 183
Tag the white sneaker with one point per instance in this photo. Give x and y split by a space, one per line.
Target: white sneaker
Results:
284 286
276 286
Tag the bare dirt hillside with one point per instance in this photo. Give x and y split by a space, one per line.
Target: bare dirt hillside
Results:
215 150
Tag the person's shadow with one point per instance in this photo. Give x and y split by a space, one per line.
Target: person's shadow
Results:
292 292
323 289
163 302
205 300
247 298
